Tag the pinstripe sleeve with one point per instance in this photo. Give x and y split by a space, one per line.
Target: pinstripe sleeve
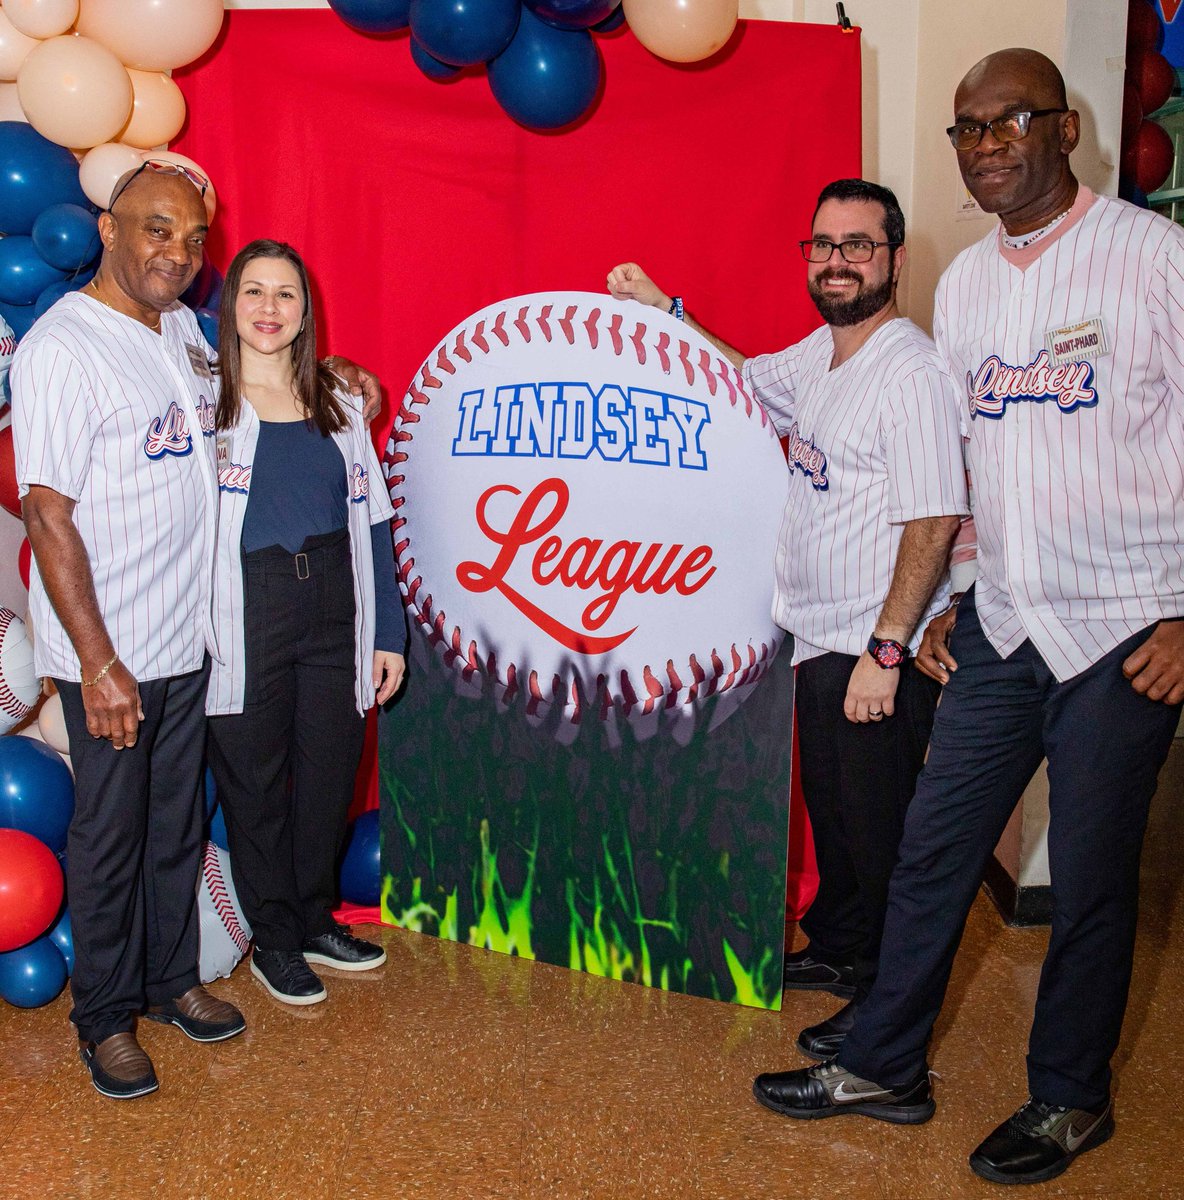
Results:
923 447
1165 303
773 381
51 425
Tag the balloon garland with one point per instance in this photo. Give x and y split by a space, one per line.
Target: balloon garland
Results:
1147 153
543 64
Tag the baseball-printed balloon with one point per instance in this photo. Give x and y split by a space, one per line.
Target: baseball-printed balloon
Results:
587 505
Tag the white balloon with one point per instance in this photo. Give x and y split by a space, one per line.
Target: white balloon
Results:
10 105
52 724
224 932
102 167
14 46
41 18
19 685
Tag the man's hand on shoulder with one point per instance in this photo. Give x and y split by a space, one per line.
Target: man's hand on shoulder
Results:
1156 668
629 282
360 382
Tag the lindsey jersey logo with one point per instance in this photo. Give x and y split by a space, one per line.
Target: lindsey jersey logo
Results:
205 415
359 484
804 456
234 477
586 563
996 384
169 435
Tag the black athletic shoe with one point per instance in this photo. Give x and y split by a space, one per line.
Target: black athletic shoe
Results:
805 972
825 1040
339 948
286 975
1039 1141
829 1090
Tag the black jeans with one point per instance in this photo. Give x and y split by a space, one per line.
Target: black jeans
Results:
134 853
285 765
1105 745
857 781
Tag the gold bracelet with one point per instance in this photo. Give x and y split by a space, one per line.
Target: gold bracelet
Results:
99 677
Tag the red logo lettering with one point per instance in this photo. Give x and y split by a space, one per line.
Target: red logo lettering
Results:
584 563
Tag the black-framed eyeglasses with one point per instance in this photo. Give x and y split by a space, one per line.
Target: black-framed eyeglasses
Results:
853 250
162 166
1010 127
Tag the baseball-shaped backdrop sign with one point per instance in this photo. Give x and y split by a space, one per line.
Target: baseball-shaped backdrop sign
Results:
587 502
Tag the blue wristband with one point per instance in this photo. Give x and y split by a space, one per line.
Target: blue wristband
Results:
676 309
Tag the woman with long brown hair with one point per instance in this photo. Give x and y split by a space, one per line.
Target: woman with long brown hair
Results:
307 618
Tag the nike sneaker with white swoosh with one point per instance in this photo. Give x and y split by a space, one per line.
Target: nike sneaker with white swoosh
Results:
1039 1141
829 1090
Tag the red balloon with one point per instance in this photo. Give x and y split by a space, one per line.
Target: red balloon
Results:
8 494
30 888
1153 76
1143 29
24 560
1147 158
1132 111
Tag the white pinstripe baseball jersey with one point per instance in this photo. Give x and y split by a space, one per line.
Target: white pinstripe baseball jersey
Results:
872 444
121 420
1073 371
369 504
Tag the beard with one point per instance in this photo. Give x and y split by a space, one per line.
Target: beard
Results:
864 304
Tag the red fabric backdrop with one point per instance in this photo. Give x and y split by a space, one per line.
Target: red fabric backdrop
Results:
416 203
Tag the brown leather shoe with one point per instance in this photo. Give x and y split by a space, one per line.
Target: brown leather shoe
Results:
200 1016
118 1066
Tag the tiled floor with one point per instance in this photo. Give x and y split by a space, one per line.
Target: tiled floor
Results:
453 1072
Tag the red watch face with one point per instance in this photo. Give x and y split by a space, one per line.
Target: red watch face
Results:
888 654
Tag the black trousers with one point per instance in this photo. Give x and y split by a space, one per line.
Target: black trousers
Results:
857 781
134 853
285 765
1105 745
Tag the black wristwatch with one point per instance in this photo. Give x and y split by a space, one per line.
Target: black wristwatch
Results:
887 653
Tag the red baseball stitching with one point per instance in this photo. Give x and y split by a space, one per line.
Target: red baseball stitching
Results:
742 666
10 702
219 893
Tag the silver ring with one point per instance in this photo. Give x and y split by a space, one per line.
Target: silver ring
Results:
875 712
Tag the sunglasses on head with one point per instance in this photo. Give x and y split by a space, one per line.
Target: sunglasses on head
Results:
162 166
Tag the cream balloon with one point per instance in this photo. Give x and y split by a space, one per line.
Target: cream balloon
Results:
681 30
75 92
152 35
14 47
158 110
210 197
51 723
41 18
101 168
10 104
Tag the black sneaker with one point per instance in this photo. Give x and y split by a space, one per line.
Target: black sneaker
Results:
829 1090
825 1040
1039 1141
805 972
286 975
339 948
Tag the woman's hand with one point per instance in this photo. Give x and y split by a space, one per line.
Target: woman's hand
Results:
389 670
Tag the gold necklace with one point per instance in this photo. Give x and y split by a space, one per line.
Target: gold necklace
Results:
95 291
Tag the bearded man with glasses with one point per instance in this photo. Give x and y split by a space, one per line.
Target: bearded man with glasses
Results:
875 492
113 402
1065 330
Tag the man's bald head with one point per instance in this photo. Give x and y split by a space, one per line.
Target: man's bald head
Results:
1033 74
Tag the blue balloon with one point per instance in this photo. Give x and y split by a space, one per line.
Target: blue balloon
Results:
614 20
67 236
215 297
62 936
218 829
33 975
207 318
20 318
464 33
547 77
195 294
52 294
373 16
24 274
573 14
36 790
430 65
361 868
34 174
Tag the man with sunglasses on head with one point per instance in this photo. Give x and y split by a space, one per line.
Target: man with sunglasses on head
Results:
113 421
876 489
1065 328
